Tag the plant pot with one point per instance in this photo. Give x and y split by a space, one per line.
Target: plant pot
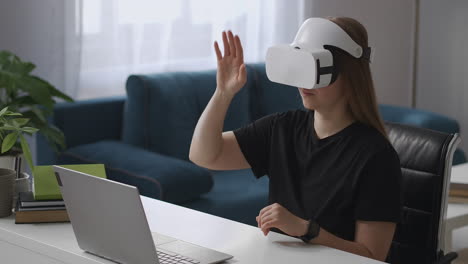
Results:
7 185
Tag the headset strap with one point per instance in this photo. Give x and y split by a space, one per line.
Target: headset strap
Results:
366 54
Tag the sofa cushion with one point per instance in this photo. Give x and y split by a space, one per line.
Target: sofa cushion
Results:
236 195
163 109
155 175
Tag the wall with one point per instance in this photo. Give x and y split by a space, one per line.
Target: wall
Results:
443 60
34 30
390 26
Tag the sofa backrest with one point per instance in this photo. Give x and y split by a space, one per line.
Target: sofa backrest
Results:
273 97
163 109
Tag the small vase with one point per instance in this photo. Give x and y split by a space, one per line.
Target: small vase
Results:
7 185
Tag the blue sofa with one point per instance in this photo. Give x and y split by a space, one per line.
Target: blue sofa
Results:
144 137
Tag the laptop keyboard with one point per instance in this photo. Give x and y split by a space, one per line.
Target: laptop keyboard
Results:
172 258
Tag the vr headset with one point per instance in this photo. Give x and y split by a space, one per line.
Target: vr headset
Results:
308 61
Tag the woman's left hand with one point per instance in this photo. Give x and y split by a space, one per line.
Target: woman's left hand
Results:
275 215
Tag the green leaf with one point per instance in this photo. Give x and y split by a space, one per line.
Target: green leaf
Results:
13 63
8 128
35 115
25 100
3 111
12 114
53 136
54 91
30 130
20 121
26 151
9 141
37 90
4 55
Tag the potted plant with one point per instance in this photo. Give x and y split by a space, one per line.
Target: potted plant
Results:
12 131
26 102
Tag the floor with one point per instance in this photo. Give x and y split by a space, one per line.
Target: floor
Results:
460 245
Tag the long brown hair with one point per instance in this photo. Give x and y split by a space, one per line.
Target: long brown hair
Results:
362 102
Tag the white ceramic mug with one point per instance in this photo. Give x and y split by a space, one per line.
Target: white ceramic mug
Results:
22 184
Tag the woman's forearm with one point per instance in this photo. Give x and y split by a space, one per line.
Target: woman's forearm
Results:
326 238
207 139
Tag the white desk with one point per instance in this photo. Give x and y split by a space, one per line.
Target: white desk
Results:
457 213
55 243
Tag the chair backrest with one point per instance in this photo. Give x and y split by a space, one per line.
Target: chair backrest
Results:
426 158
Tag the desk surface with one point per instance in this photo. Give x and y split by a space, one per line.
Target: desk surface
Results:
460 173
457 210
246 243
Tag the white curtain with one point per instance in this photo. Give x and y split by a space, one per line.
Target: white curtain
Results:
110 39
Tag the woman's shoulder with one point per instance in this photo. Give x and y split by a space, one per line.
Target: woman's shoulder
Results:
373 140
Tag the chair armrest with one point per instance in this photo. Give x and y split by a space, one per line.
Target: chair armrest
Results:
448 258
83 122
157 176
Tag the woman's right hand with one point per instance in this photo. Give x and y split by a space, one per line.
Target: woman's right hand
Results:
231 75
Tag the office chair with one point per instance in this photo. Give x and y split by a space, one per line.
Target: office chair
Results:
426 158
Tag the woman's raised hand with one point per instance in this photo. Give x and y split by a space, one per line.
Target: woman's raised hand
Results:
231 75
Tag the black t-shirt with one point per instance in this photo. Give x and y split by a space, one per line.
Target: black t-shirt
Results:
351 175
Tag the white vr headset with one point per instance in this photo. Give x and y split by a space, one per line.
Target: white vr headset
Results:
308 61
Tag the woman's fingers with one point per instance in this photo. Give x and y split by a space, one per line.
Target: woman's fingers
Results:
265 209
267 226
242 73
267 219
218 52
227 51
265 216
239 50
232 46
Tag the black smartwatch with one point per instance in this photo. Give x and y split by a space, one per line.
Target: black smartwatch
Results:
312 231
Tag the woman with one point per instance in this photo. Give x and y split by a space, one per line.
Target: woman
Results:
331 167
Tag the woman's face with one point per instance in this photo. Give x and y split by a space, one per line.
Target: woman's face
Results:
324 98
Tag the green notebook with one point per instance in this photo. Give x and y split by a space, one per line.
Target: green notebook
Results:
45 186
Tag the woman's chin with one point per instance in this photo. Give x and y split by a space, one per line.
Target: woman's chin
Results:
309 103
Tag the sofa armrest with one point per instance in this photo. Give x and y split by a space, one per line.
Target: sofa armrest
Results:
157 176
89 121
83 122
420 118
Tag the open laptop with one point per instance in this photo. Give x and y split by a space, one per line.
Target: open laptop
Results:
109 221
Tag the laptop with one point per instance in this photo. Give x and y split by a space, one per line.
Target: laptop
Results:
109 221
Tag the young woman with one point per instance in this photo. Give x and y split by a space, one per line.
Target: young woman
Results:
331 167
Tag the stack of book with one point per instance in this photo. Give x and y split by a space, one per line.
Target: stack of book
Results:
45 204
29 210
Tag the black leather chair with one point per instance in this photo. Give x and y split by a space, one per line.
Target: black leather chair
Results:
426 158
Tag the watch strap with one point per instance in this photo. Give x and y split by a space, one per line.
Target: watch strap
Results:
312 231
